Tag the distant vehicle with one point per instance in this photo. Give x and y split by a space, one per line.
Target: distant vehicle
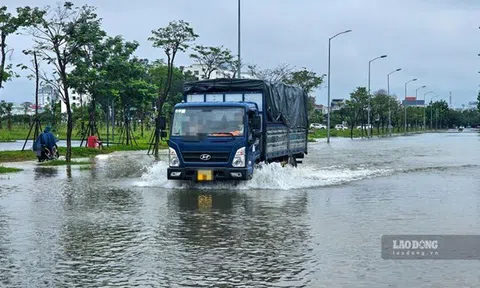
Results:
341 127
460 128
317 126
365 126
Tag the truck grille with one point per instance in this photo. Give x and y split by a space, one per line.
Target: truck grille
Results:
214 156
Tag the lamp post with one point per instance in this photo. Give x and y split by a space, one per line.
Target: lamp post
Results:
389 100
239 64
328 85
424 110
416 94
369 107
405 102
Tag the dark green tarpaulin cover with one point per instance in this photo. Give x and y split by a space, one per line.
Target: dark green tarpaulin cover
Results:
284 103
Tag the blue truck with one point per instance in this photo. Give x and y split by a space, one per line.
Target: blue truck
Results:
224 127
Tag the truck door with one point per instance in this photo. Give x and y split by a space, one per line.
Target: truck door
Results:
253 141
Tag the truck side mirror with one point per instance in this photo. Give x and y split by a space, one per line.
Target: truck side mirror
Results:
257 123
163 134
163 123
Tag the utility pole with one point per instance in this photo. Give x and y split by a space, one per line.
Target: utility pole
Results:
239 61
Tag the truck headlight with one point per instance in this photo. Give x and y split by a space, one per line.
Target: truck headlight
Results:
173 158
239 159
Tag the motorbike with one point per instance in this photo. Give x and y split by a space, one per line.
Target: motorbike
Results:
47 154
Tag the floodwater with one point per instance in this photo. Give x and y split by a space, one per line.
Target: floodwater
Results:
121 224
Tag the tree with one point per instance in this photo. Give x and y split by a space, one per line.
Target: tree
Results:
355 108
59 38
307 80
211 58
9 25
379 105
279 74
35 69
3 106
478 101
232 66
8 109
26 106
158 71
172 39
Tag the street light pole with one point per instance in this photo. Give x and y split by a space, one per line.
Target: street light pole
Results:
416 93
389 101
328 85
424 110
405 102
239 64
369 106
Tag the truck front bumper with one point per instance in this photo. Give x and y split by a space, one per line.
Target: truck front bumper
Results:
218 173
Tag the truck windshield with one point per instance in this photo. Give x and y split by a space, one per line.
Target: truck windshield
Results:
208 121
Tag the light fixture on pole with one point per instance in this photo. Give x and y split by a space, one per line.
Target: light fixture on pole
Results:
405 102
328 85
369 106
425 109
390 100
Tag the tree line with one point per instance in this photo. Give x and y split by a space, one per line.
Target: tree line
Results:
435 115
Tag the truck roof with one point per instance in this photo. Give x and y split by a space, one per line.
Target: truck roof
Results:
247 105
283 103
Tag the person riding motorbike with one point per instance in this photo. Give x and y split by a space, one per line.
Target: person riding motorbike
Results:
45 146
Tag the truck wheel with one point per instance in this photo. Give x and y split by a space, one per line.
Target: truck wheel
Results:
292 161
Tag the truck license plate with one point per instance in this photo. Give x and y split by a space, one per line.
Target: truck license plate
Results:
204 175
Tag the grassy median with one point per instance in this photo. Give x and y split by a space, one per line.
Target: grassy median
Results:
77 152
5 170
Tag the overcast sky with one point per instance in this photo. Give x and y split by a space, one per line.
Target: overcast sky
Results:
436 41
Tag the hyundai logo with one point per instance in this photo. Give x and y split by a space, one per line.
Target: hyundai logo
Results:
205 157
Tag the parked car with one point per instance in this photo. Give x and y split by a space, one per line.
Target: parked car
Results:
365 126
317 126
341 127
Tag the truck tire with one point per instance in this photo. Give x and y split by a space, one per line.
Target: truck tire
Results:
292 161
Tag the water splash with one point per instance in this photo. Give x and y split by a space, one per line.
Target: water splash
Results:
268 177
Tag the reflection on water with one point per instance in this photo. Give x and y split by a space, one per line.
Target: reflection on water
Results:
45 172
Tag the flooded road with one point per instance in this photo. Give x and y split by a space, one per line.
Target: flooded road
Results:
18 144
122 224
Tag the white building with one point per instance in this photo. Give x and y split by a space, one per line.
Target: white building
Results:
197 71
76 100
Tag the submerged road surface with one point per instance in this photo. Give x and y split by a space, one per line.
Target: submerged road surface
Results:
122 224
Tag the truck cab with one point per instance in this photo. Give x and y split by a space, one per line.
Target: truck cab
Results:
214 141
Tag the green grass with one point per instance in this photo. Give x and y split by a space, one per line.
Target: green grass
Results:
16 156
63 162
20 132
4 170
